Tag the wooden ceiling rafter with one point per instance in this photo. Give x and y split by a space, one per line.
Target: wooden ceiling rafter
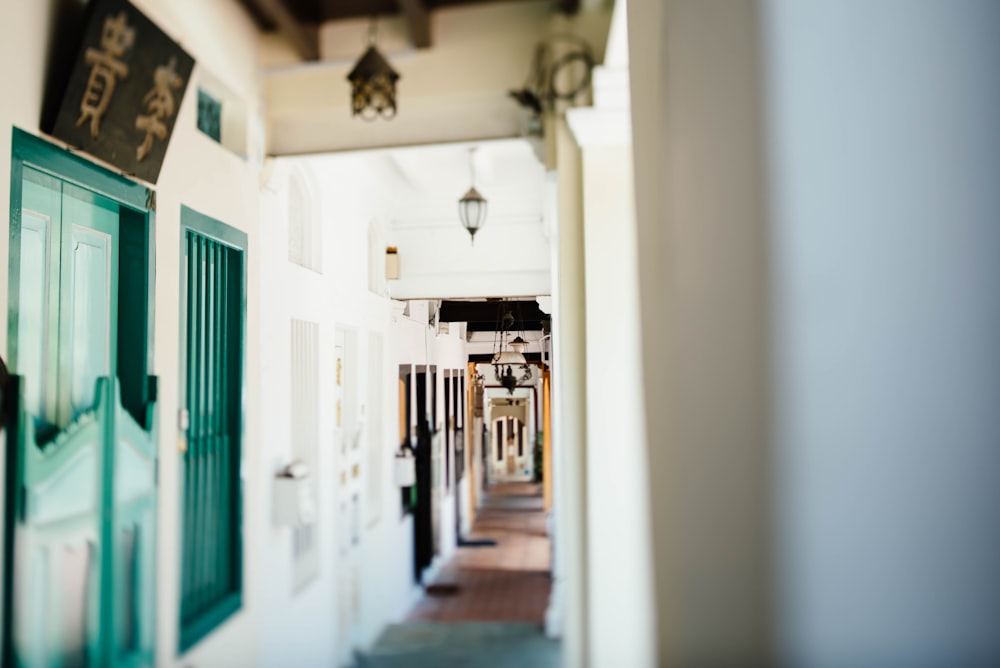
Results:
299 19
303 37
418 22
482 316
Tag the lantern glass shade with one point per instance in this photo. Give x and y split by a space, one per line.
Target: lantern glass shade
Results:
373 86
518 345
509 357
472 211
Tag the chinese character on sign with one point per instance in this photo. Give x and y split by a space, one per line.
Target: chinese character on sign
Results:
106 67
160 104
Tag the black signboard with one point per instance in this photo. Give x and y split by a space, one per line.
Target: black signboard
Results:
124 90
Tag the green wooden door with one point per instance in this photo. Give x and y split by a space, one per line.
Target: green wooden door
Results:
80 527
68 297
212 321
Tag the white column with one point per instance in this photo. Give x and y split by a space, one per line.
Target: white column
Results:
568 610
699 170
621 628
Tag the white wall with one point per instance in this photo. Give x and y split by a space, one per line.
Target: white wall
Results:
199 174
886 256
291 291
347 196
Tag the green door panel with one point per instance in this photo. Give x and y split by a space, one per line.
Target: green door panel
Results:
57 542
135 539
68 305
81 493
84 552
37 335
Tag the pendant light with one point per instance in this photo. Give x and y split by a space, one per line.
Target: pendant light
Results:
508 355
472 206
373 83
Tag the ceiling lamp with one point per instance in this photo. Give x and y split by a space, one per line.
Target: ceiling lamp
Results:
505 357
373 83
472 206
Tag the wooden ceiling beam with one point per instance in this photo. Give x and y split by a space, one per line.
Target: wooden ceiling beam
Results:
483 316
304 38
568 6
418 22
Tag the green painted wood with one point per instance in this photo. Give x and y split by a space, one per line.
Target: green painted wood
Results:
80 574
46 157
78 536
135 322
134 532
213 317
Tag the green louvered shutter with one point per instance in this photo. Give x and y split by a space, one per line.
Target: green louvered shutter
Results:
211 570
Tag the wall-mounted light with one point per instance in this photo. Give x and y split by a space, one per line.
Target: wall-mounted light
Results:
373 83
560 73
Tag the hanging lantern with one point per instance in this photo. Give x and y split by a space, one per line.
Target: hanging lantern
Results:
472 206
373 84
508 355
472 211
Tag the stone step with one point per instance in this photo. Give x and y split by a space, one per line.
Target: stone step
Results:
484 644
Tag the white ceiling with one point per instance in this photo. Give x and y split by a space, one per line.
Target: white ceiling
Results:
417 191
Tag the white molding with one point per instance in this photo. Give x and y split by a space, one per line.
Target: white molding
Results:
451 221
600 127
611 88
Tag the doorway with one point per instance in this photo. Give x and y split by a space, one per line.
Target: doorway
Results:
80 522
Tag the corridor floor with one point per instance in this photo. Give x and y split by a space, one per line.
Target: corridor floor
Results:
490 602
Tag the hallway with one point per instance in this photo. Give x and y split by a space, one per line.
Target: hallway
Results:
489 601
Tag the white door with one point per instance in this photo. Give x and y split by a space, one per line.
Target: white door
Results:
348 436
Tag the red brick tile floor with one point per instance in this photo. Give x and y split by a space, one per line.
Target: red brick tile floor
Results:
506 583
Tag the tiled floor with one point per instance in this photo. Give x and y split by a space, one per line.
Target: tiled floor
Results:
493 605
506 583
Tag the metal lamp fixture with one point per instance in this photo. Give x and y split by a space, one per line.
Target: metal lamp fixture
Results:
560 72
472 206
373 84
506 355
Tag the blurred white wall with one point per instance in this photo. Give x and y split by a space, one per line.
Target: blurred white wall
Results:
817 210
885 255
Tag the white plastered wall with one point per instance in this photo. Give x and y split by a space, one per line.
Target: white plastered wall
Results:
347 198
199 174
